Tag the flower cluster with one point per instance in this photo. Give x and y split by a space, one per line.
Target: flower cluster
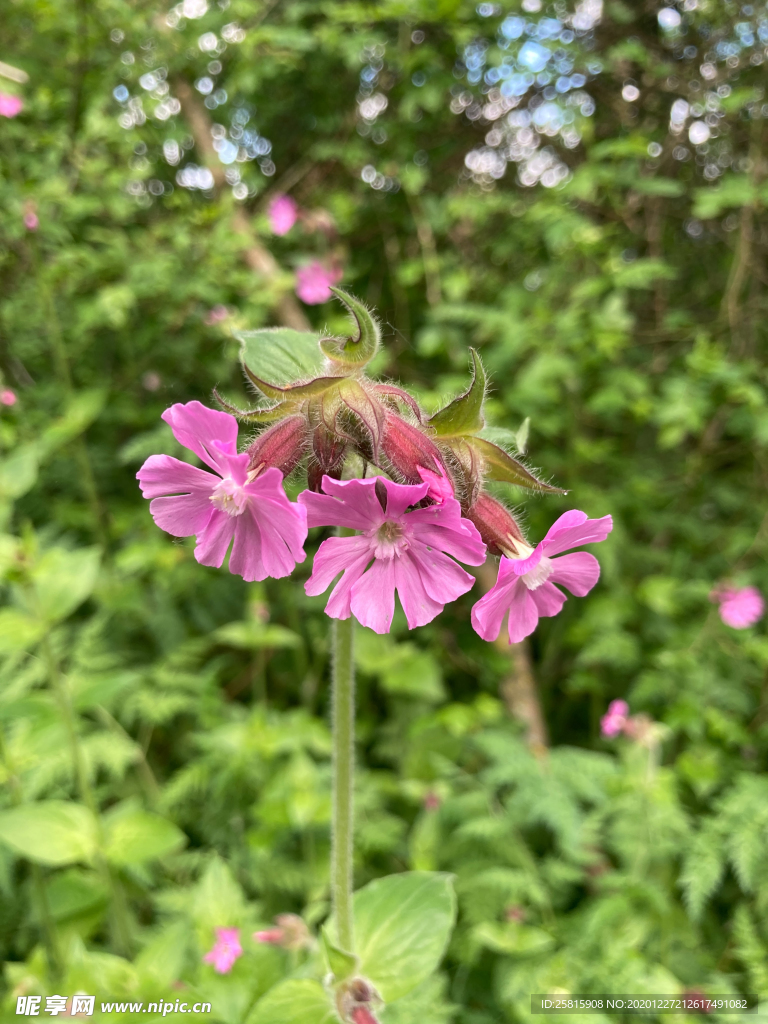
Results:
739 609
314 280
407 492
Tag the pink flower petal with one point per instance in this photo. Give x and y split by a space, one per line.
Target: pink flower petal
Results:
213 542
340 602
373 596
444 580
400 496
283 214
350 503
488 614
440 487
523 613
190 510
334 556
210 434
444 528
740 609
579 572
548 599
313 282
10 106
572 530
419 606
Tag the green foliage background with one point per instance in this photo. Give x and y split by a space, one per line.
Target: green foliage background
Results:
165 743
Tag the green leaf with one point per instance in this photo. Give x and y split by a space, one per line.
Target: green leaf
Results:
18 630
294 1002
354 352
341 964
63 579
513 939
81 411
18 472
51 832
402 927
501 466
464 415
251 636
279 355
134 836
733 190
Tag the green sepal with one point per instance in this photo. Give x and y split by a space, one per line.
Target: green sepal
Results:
499 465
341 964
464 415
292 392
354 352
261 414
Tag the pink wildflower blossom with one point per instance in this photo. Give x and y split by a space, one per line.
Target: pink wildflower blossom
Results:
525 586
615 719
739 608
8 397
283 214
313 282
216 315
412 552
248 504
225 951
31 221
10 106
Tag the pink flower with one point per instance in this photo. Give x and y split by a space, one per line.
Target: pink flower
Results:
409 551
739 608
8 397
225 951
10 106
216 315
313 282
440 487
283 214
250 505
525 586
615 719
31 222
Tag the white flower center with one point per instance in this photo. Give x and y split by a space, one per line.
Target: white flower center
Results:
229 497
538 575
388 540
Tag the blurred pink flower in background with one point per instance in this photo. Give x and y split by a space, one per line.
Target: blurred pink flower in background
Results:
216 315
225 951
615 719
10 106
283 214
291 933
31 221
313 282
739 608
8 397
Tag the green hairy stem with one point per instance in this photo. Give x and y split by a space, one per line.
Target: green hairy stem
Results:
343 777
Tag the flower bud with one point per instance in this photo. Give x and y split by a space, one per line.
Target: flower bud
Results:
497 527
291 933
354 999
328 450
410 451
281 445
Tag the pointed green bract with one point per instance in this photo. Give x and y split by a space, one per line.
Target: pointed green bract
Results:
354 352
292 392
500 466
279 355
464 415
341 964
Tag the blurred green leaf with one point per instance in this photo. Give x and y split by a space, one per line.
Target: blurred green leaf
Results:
294 1002
133 836
52 832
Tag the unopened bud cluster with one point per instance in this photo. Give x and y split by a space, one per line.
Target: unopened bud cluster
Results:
322 421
